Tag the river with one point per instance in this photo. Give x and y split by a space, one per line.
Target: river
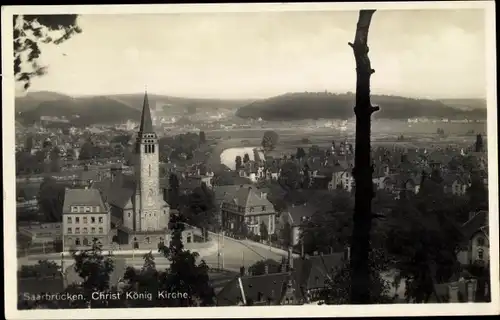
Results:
228 156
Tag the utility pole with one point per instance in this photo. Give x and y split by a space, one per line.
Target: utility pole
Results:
363 169
218 251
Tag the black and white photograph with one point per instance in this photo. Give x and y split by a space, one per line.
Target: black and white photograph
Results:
293 159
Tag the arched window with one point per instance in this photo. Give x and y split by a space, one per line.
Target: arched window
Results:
69 241
480 241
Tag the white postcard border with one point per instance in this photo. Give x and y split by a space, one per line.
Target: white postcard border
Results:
10 258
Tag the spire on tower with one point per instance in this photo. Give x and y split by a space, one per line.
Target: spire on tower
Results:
146 121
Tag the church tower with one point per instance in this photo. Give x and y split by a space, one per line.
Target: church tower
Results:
147 198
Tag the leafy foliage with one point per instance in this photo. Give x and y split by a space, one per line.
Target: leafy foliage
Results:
338 284
30 31
173 192
200 209
270 140
42 269
238 162
184 274
246 158
51 199
264 233
423 238
259 267
95 269
203 137
290 176
301 153
330 227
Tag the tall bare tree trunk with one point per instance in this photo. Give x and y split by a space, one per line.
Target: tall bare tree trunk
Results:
363 170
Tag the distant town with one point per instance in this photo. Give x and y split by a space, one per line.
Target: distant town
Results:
256 212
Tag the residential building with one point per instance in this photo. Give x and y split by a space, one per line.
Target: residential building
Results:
300 281
295 216
247 206
85 217
477 246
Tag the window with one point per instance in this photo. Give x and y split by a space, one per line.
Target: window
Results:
147 240
251 209
480 254
92 230
77 219
101 230
101 219
77 241
88 209
77 230
85 220
85 241
74 209
128 216
263 208
69 219
480 241
85 230
92 220
68 241
70 230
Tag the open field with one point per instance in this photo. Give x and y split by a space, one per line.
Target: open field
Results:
384 133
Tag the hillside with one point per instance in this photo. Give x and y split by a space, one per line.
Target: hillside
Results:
80 111
117 108
465 104
298 106
31 100
178 104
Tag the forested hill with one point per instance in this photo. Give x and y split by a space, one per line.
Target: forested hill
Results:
111 109
324 105
79 111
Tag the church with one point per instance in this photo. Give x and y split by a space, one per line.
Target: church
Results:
139 213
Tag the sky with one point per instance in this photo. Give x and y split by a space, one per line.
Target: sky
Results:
416 53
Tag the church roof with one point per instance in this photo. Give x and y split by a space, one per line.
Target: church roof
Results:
118 192
146 121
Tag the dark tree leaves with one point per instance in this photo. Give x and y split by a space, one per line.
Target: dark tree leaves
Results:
32 30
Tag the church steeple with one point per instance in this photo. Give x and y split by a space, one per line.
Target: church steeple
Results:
146 121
